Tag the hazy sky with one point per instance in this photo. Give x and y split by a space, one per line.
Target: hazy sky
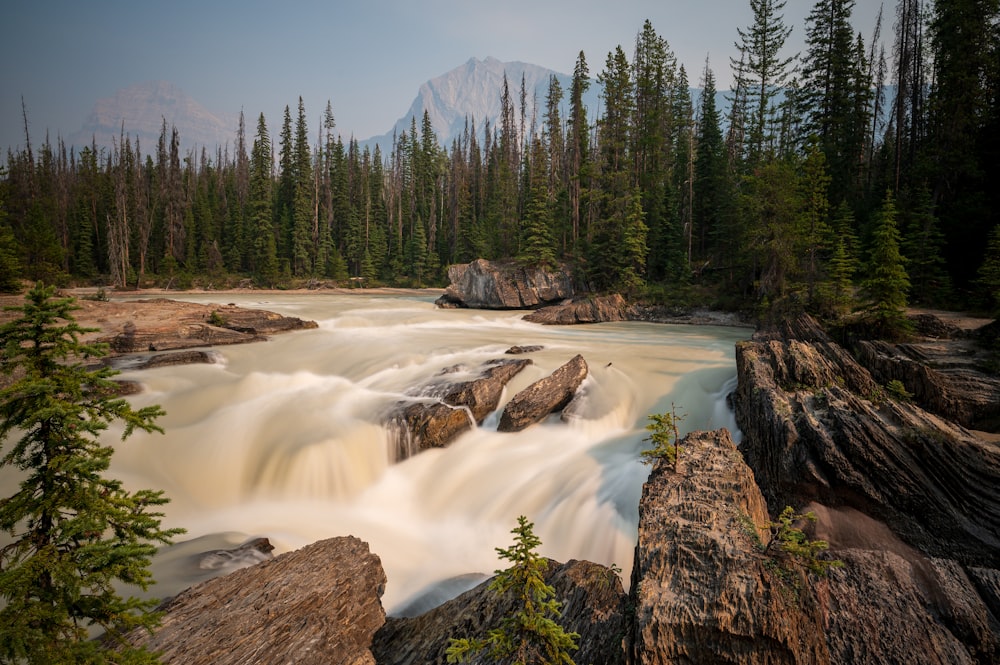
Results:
367 57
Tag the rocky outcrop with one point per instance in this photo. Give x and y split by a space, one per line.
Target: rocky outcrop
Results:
455 401
320 604
593 605
702 588
942 376
491 285
819 428
544 396
597 309
172 325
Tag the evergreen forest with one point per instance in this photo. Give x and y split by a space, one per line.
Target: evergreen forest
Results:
819 169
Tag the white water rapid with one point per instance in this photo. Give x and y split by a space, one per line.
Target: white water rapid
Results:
283 439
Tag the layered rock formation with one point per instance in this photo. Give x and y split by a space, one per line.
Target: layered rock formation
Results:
593 605
943 379
906 499
319 604
544 396
819 428
703 590
489 285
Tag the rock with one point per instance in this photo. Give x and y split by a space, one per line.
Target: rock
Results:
702 587
543 397
818 428
320 604
593 605
886 608
146 361
599 309
519 350
172 325
445 407
943 377
251 552
493 285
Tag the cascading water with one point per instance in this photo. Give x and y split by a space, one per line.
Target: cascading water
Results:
284 439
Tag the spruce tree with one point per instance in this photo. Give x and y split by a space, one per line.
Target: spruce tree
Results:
762 72
71 532
264 254
884 292
531 635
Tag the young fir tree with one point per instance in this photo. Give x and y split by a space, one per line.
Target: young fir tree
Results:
884 291
71 532
531 635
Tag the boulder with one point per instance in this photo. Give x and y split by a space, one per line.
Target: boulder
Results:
320 604
703 589
599 309
819 428
447 406
494 285
543 397
593 605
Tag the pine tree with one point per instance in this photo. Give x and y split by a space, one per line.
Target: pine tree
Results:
762 72
923 245
537 243
710 177
578 165
264 255
827 98
71 531
884 292
303 202
531 635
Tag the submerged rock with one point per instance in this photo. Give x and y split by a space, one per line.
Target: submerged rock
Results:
543 397
593 605
484 284
317 605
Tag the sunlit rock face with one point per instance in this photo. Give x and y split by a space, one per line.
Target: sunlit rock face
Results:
484 284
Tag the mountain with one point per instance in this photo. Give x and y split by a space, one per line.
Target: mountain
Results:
143 108
472 92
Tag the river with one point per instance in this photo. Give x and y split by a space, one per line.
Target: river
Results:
283 439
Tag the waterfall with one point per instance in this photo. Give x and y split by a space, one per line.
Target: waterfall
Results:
286 439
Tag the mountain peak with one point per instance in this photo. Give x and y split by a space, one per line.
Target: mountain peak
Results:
142 108
472 92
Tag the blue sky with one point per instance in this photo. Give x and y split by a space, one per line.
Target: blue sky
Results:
368 57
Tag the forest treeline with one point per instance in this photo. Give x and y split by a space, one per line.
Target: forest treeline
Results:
779 197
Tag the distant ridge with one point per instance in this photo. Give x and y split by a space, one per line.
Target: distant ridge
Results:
472 91
143 107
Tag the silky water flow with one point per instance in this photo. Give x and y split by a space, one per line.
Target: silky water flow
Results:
284 439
